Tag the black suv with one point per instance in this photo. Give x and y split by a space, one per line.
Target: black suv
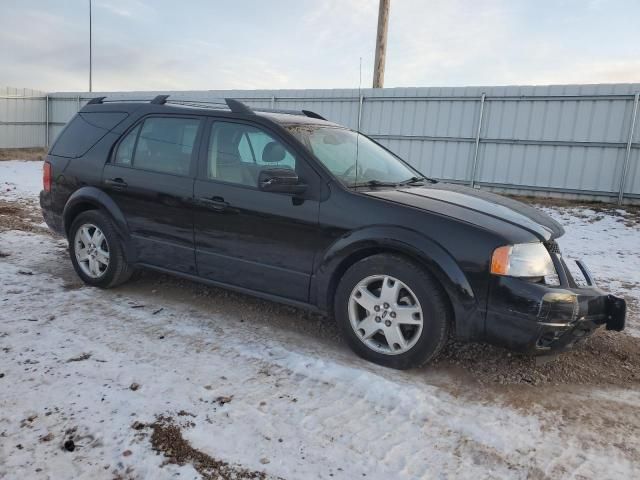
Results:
288 206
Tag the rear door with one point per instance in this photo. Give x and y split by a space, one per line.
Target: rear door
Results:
150 177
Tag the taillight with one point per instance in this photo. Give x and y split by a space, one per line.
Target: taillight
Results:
46 176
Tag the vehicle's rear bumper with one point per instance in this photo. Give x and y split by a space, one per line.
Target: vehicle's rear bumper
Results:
53 220
536 318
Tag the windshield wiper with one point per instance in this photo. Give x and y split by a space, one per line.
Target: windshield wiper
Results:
374 183
418 180
380 183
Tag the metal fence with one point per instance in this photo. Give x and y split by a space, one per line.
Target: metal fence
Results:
22 117
571 140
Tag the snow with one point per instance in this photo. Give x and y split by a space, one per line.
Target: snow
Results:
610 249
300 400
331 410
20 179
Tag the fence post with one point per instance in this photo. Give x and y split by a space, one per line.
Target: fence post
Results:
78 104
474 166
360 102
273 102
46 122
627 156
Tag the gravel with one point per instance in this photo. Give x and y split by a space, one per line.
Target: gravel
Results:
607 358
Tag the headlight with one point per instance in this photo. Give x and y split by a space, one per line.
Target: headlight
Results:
529 260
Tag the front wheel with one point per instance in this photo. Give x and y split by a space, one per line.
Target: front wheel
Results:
96 250
392 312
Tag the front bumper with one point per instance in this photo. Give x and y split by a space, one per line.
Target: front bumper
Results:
536 318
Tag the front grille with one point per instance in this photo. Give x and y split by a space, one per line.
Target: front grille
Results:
552 246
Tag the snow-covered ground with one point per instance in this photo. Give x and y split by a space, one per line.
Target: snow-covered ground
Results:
20 179
270 388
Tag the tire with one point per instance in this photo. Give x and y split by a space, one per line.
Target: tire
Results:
421 313
116 270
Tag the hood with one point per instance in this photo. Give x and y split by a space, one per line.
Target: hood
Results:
482 202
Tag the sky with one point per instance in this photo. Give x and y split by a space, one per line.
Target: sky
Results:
251 44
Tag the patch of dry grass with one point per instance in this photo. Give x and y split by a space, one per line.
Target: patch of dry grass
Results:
36 153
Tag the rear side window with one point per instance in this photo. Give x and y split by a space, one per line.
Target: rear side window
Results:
84 131
161 144
125 150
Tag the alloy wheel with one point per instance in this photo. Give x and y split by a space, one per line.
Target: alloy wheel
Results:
385 314
91 250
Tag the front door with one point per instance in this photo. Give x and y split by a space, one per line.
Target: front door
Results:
262 241
151 177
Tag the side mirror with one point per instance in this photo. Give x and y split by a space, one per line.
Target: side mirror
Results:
281 180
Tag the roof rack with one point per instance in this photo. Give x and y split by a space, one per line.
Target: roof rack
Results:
236 106
160 100
95 100
157 100
311 114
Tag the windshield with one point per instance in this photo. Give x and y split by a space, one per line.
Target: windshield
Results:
353 158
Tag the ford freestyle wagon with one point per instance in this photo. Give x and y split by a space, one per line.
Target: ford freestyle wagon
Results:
293 208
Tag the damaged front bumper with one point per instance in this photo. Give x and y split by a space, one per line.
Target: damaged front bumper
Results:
536 318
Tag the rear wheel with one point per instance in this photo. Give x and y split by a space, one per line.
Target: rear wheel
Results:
96 250
392 312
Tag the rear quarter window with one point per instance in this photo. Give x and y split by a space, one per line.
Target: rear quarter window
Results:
84 131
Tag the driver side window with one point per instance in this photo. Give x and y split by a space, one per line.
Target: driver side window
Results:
237 152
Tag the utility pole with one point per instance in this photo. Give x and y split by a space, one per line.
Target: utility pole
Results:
90 50
381 44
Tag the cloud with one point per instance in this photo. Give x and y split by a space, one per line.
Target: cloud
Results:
161 45
606 71
431 45
124 8
43 56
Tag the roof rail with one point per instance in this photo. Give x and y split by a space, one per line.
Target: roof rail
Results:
95 100
237 106
159 100
311 114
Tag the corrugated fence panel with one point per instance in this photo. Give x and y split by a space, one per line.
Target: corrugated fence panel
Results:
22 116
632 184
533 139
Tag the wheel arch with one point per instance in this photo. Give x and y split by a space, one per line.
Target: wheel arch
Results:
92 198
416 248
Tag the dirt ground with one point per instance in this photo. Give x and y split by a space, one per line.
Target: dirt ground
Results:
21 215
167 439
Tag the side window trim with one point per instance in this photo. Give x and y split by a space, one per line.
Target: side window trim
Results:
135 144
115 151
195 153
253 153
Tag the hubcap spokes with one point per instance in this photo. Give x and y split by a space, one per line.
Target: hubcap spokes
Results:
92 250
385 314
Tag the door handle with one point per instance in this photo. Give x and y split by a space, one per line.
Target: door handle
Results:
116 183
216 203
